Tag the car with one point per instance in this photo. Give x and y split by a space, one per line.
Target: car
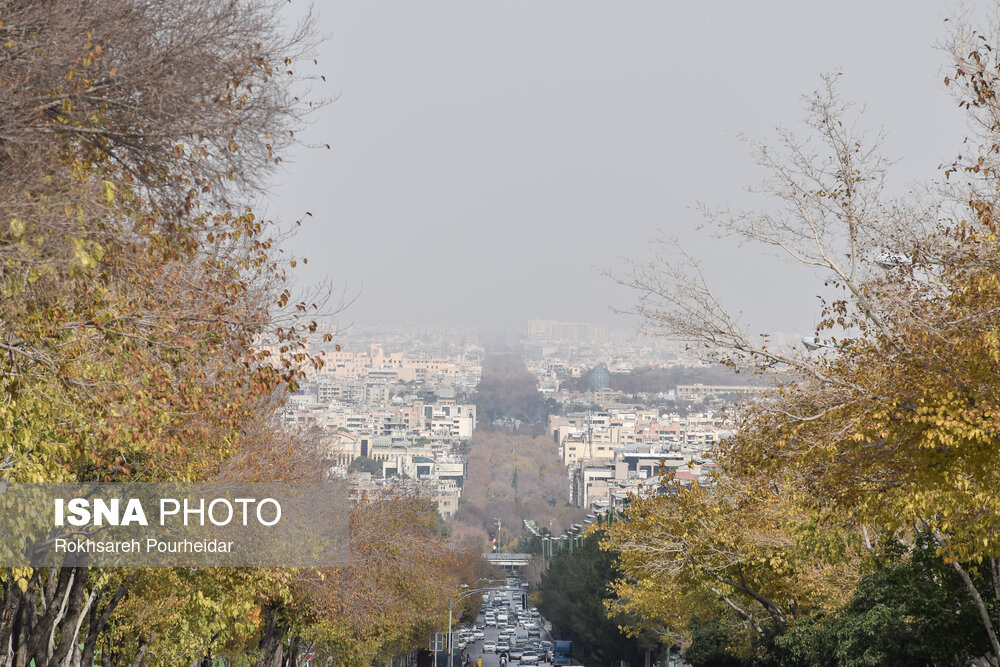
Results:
516 652
491 622
489 647
503 647
480 635
534 632
530 657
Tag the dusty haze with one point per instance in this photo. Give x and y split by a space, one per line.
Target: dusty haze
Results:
490 159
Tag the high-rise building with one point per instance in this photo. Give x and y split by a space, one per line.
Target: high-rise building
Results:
547 331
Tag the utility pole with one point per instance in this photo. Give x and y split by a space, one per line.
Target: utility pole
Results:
451 606
590 437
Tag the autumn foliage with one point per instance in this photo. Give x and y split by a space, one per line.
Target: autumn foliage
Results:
148 330
882 434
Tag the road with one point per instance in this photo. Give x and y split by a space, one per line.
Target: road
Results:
492 659
475 649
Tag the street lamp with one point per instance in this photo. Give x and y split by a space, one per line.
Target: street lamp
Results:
451 607
489 581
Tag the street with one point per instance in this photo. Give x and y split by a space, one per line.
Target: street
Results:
475 649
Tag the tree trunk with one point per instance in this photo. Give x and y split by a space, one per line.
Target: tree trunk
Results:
98 621
140 654
292 659
25 621
106 654
90 640
8 615
984 613
995 572
75 651
74 609
270 643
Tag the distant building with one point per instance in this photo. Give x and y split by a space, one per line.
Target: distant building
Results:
699 392
544 331
599 378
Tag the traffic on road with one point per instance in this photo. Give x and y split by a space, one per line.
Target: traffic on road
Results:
507 632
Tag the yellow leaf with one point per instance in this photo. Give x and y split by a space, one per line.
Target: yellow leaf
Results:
17 227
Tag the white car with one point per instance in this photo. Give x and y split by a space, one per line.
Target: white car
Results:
479 635
489 647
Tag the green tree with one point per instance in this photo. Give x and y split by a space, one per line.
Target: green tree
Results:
913 609
574 594
365 464
710 645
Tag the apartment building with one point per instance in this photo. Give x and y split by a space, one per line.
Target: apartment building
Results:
597 436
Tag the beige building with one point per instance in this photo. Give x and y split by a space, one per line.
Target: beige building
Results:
699 392
597 436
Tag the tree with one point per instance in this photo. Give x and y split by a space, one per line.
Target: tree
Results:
394 590
365 464
508 390
710 646
739 547
574 593
541 494
912 609
888 422
139 295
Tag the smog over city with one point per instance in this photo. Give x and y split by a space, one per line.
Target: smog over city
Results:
487 334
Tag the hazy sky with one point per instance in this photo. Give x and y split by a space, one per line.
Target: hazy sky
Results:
490 159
